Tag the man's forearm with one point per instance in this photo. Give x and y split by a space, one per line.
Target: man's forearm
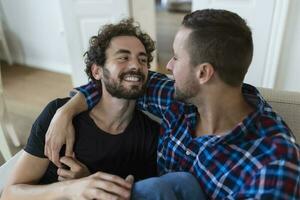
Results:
74 106
32 192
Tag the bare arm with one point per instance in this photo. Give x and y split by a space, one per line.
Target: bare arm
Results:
29 169
61 130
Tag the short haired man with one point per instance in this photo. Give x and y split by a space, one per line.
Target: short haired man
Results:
213 125
113 139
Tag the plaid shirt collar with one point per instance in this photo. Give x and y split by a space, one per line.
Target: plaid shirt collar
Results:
254 98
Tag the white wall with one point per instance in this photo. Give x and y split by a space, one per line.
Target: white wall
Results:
82 19
2 21
1 11
144 13
35 34
286 71
289 64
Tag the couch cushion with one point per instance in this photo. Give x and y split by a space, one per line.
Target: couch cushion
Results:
287 104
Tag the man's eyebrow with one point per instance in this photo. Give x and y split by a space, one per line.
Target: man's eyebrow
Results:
143 54
120 51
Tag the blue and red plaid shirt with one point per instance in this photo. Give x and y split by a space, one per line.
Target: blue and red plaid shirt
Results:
258 159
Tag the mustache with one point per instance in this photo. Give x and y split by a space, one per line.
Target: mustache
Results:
133 72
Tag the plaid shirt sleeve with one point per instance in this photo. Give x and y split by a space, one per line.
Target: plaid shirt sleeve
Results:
277 180
92 93
159 94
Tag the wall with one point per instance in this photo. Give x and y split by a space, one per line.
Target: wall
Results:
2 20
144 13
35 34
289 64
1 11
277 66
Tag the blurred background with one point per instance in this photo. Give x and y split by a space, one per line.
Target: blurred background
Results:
42 45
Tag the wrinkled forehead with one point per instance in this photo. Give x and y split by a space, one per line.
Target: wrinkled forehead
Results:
130 43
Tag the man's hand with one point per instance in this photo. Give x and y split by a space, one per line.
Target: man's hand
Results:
60 132
99 186
76 169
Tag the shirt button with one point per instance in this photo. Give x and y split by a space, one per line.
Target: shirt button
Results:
188 153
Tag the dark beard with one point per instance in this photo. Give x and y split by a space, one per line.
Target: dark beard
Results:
117 90
185 96
180 96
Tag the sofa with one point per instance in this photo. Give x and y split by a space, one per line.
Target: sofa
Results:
284 102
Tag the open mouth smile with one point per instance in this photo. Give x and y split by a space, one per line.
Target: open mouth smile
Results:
132 78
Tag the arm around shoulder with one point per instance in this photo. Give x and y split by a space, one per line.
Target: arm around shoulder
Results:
61 130
159 94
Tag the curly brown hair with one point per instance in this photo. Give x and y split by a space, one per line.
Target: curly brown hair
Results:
99 43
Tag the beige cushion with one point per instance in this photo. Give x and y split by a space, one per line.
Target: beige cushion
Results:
287 104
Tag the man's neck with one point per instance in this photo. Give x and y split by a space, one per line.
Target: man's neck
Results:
220 111
112 114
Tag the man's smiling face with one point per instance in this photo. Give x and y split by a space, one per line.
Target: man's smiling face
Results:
126 68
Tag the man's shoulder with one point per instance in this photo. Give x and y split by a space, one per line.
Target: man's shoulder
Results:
275 137
271 123
49 110
36 140
57 103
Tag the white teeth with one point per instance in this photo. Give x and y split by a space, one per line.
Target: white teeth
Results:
131 78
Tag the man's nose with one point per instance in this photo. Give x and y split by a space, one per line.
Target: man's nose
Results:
170 65
135 64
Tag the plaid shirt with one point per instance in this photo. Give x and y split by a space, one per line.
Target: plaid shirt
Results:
258 159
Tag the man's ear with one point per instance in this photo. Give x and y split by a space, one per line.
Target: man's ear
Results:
96 71
205 72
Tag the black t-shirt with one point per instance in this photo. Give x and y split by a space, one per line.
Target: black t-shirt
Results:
131 152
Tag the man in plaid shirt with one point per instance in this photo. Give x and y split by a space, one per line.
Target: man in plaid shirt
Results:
214 126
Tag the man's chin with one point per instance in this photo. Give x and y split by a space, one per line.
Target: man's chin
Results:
130 96
126 91
180 99
179 96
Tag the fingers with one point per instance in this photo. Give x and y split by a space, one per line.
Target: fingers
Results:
99 194
65 174
113 178
60 178
129 179
60 131
93 187
78 169
52 149
112 188
54 152
70 162
69 146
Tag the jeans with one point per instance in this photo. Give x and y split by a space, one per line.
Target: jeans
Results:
171 186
